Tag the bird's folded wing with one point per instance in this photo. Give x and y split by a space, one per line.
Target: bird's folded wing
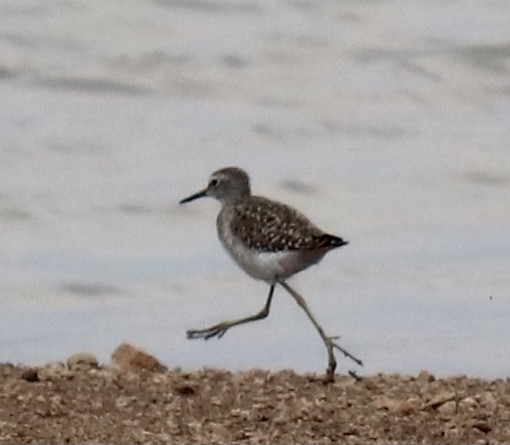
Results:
272 226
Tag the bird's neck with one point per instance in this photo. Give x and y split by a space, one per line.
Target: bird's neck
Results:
234 199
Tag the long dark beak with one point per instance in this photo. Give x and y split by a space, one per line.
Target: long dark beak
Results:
197 195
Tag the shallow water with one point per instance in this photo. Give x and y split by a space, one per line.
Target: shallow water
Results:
385 122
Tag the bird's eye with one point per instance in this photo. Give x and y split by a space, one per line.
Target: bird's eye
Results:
213 182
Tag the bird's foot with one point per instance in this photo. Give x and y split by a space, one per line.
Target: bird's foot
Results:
355 376
329 377
333 345
330 371
218 330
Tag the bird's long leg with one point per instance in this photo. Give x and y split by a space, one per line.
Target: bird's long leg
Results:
218 330
328 341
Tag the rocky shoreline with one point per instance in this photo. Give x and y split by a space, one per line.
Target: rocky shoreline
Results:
135 399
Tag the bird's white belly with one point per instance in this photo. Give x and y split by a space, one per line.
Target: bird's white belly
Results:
268 266
265 266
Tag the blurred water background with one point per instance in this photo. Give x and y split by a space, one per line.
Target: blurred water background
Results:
386 122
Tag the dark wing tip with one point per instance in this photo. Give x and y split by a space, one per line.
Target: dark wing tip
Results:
332 241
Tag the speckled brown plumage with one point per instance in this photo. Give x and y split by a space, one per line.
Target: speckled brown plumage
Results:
271 226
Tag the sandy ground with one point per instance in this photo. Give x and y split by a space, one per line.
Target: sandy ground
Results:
57 403
385 122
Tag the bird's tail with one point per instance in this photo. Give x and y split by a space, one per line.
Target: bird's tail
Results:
332 241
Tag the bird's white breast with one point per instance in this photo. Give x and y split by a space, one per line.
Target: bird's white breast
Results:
265 265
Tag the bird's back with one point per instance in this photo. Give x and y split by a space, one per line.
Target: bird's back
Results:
271 226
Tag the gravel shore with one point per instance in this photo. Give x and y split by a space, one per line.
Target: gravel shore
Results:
85 402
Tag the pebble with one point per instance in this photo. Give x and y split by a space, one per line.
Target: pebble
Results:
440 399
482 426
132 359
185 388
468 403
30 375
218 433
82 361
394 405
488 400
448 407
53 371
425 377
